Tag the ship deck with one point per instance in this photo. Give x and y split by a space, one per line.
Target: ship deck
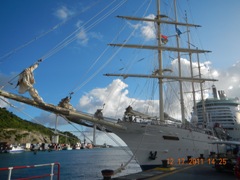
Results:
196 172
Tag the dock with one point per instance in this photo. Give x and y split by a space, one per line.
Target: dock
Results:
181 172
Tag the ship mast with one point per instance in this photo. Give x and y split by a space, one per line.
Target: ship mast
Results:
191 67
160 19
179 68
202 96
160 71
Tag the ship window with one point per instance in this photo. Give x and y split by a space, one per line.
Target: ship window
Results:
171 138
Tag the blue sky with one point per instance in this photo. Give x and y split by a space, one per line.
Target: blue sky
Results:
31 30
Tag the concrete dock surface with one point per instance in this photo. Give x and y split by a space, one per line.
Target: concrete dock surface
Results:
181 172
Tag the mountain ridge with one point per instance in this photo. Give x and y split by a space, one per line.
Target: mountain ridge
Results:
15 130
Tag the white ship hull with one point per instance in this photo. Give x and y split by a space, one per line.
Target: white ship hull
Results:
171 143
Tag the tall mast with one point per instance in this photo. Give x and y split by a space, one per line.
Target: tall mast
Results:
191 68
179 69
160 71
158 20
201 90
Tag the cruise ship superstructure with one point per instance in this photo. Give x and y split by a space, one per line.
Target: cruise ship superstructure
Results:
221 111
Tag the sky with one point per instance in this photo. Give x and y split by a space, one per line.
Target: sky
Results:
72 37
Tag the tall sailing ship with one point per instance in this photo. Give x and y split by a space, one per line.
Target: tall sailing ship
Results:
151 139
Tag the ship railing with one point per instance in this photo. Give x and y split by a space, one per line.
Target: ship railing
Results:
54 166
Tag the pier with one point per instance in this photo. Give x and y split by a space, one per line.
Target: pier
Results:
181 172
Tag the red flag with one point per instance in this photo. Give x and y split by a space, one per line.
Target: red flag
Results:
164 39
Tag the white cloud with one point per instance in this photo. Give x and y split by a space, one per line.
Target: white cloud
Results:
82 37
111 96
215 73
116 98
63 13
187 86
229 80
134 26
96 35
148 29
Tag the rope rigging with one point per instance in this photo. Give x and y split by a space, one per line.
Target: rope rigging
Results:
77 129
29 85
73 36
133 155
106 49
55 27
68 40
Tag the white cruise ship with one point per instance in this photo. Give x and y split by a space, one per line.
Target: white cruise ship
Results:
221 111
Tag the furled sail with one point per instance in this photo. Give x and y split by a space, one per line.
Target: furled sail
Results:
130 112
26 81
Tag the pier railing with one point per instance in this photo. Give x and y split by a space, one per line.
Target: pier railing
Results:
51 174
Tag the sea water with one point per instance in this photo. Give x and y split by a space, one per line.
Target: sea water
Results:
74 164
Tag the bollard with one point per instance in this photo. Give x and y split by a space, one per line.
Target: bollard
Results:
164 163
107 174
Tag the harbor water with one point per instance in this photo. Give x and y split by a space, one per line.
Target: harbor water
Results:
74 164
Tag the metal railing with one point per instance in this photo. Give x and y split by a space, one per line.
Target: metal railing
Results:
51 175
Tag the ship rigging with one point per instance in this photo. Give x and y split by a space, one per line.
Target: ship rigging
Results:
151 139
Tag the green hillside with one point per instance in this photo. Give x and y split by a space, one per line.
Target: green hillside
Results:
15 130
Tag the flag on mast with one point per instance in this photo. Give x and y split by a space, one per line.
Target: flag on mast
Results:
164 39
178 31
